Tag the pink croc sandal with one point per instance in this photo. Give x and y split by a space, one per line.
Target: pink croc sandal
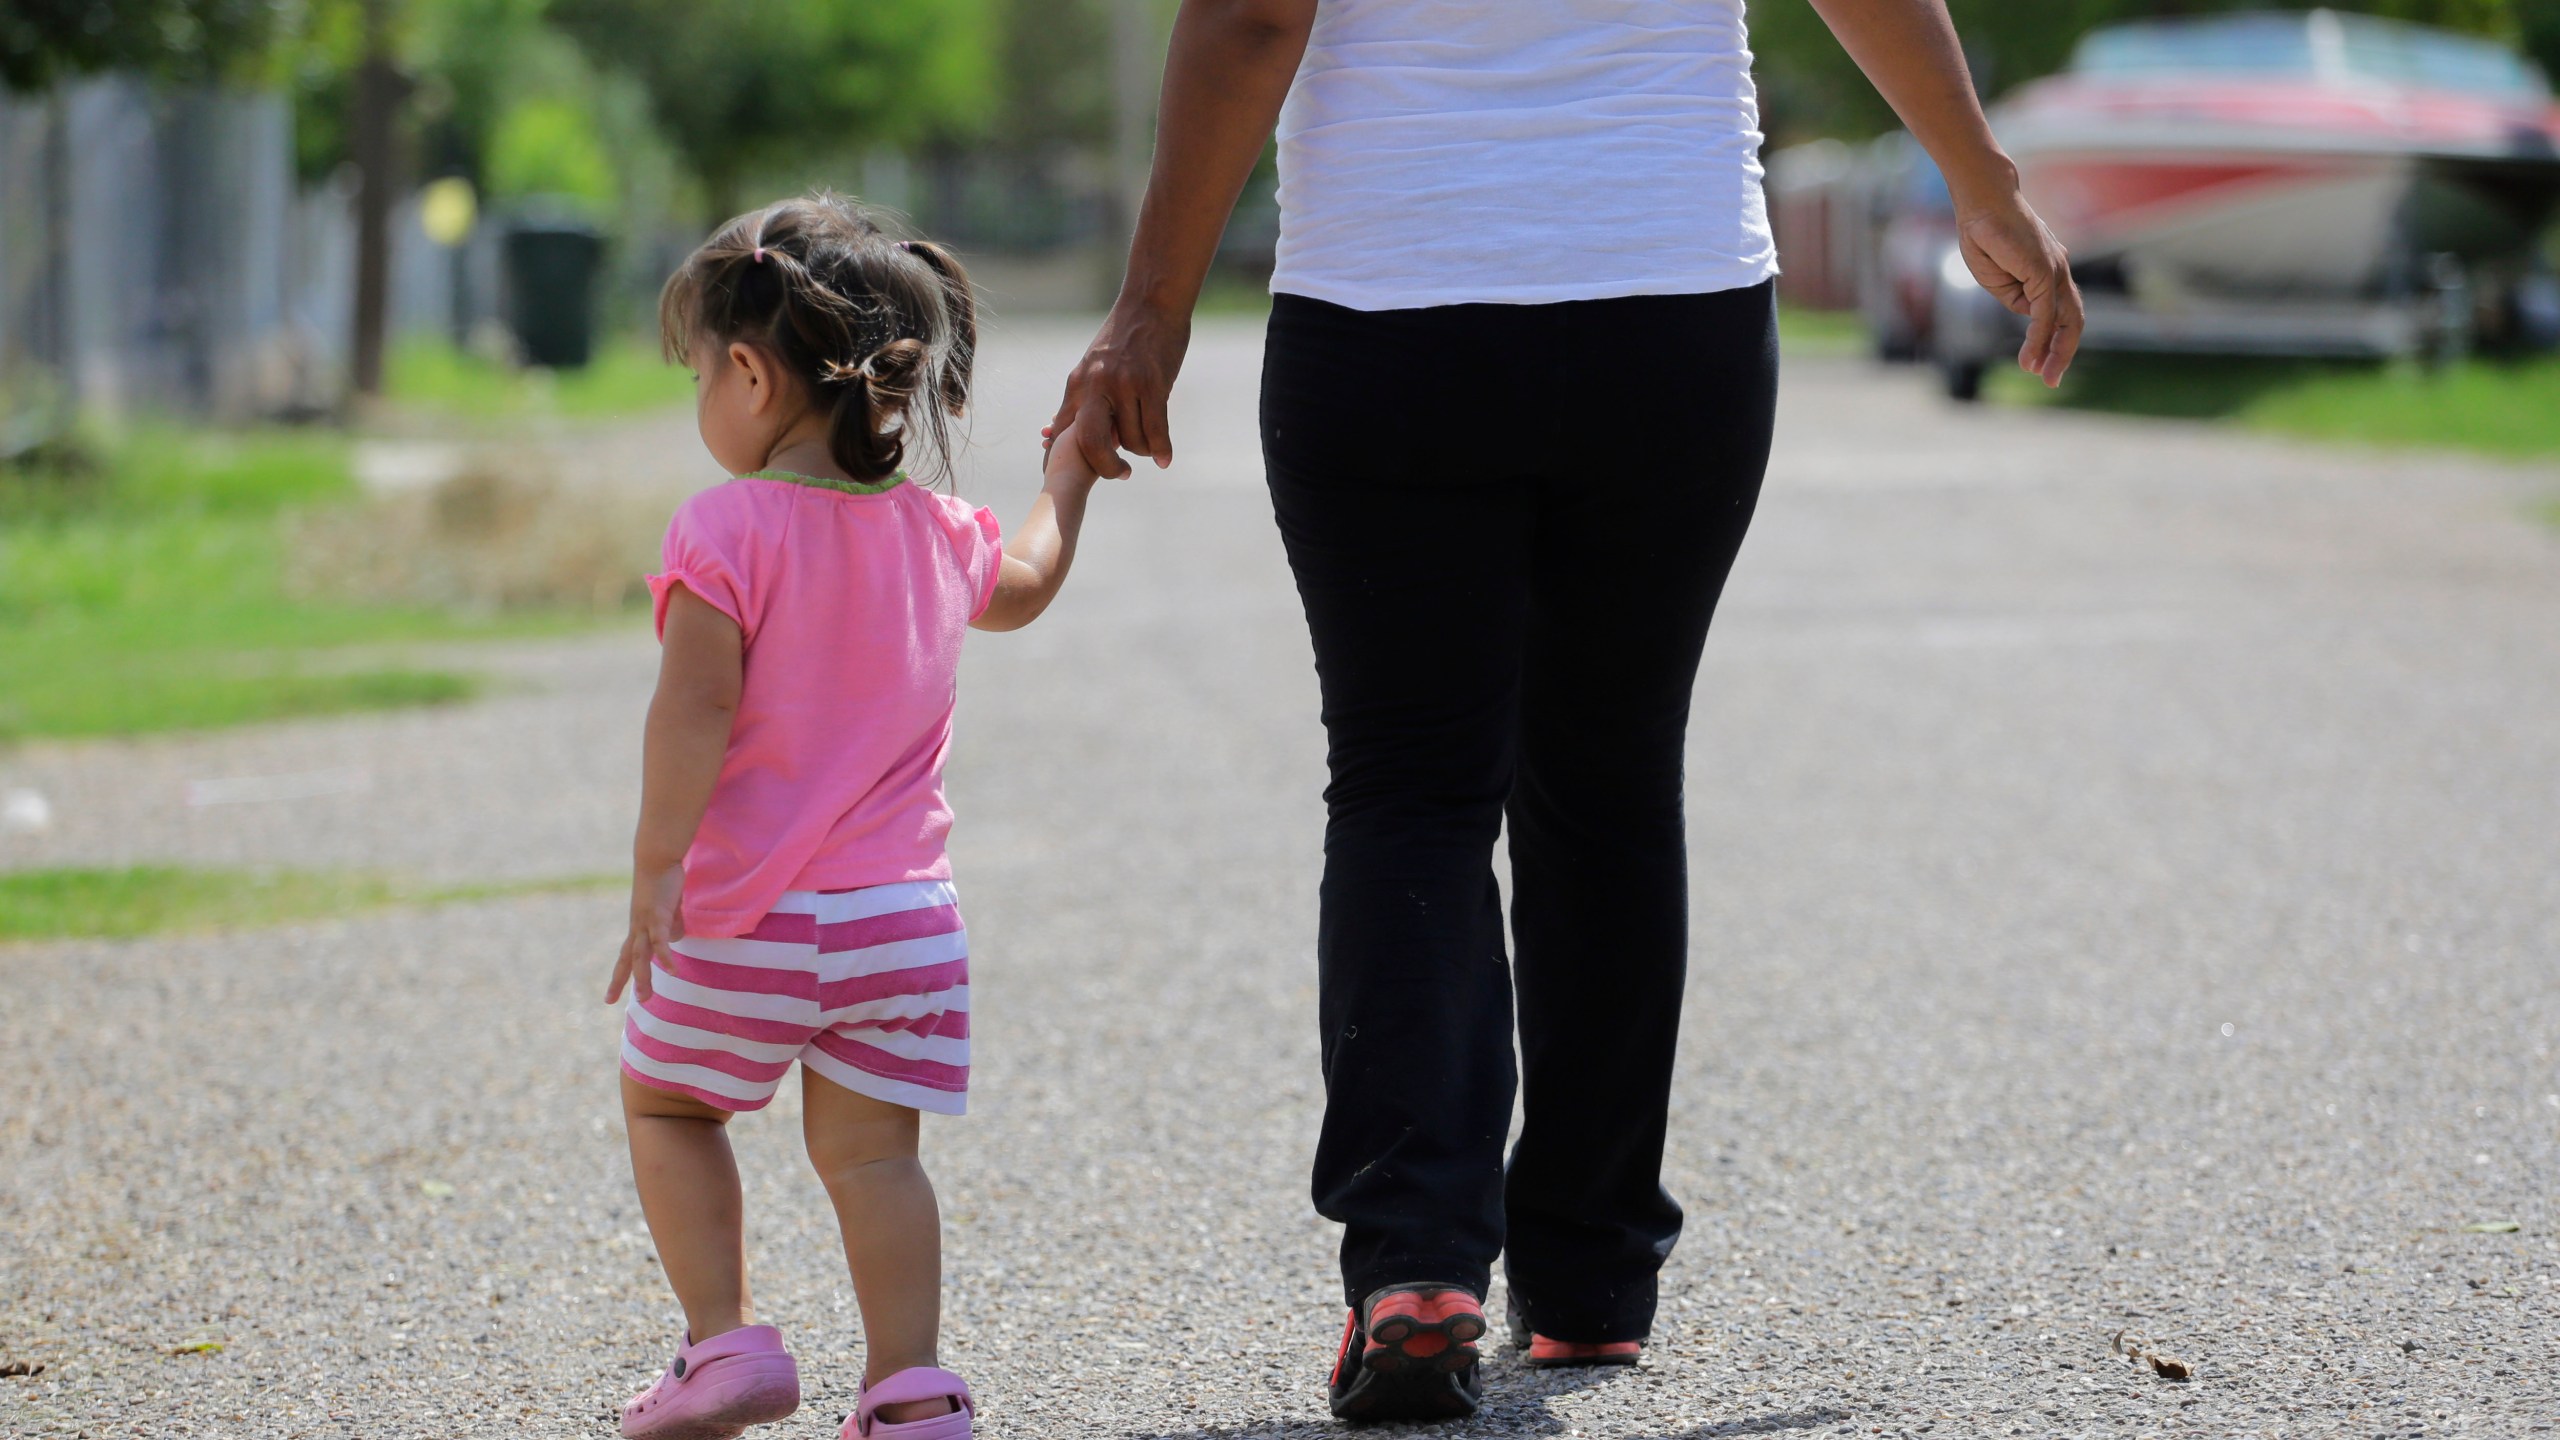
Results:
715 1390
922 1382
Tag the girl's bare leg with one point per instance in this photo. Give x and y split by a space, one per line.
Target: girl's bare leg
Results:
865 1153
689 1189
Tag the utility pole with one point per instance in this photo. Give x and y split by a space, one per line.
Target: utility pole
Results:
374 135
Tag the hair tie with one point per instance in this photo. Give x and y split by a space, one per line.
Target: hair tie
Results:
759 255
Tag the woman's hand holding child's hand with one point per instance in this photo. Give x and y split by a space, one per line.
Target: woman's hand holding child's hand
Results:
1065 462
657 921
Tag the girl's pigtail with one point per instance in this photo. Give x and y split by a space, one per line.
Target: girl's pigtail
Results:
865 430
959 303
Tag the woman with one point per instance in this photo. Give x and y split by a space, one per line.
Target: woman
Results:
1516 405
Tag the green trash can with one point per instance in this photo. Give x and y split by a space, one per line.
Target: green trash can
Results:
551 288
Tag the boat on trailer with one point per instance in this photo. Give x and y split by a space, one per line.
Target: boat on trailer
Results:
2304 183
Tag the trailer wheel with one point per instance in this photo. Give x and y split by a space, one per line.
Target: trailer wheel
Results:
2451 325
1963 380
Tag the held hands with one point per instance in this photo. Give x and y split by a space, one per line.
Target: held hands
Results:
1116 395
2014 256
1063 462
657 921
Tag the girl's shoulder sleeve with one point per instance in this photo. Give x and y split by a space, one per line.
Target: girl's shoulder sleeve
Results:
977 541
711 549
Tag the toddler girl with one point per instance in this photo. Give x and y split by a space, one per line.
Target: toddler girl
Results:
790 896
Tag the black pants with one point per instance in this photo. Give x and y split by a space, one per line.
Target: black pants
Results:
1509 526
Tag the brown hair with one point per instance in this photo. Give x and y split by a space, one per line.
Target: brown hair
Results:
881 330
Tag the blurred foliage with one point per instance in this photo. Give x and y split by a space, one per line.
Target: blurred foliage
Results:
623 93
497 83
1810 88
42 41
476 61
570 96
319 63
2537 24
471 63
1053 63
503 99
549 147
744 86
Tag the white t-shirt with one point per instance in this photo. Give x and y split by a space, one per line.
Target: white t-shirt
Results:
1436 152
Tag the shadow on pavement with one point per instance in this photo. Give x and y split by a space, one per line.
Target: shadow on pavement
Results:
1518 1414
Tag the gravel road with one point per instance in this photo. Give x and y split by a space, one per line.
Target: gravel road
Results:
2125 916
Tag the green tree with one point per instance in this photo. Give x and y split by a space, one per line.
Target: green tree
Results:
42 41
2538 27
549 147
1053 75
476 61
744 86
471 61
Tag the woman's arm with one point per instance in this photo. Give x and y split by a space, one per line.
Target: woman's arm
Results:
700 670
1229 68
1037 555
1908 50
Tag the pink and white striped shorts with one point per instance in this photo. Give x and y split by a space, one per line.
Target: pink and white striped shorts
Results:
869 988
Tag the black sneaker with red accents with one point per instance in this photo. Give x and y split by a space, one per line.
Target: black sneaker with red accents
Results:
1409 1353
1542 1353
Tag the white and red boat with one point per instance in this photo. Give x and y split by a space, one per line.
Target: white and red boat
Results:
2295 183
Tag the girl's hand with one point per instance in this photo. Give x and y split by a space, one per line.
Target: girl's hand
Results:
657 921
1038 551
1064 460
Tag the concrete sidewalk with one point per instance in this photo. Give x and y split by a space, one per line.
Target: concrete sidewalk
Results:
2124 903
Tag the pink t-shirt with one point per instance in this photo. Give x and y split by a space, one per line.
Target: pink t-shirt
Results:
853 608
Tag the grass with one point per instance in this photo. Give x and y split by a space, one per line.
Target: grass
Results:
148 899
1821 332
2499 407
625 376
153 471
117 904
142 588
1225 292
